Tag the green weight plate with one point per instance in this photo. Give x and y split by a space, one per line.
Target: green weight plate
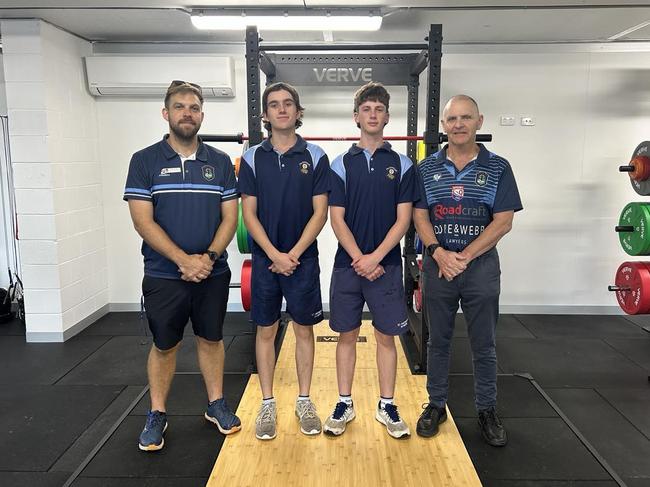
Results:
242 233
637 241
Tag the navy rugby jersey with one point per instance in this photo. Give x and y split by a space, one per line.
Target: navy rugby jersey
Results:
369 187
284 185
186 200
461 203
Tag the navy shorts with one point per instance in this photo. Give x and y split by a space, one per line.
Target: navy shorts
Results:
170 303
385 297
301 290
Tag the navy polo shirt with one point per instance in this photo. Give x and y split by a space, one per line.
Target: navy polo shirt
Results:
461 203
369 187
186 200
284 185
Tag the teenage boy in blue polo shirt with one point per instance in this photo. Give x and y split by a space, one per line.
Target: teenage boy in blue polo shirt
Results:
370 209
284 183
467 204
182 197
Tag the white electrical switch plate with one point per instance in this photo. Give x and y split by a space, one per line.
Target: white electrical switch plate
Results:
507 120
527 121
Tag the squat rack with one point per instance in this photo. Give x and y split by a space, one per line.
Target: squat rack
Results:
360 63
386 63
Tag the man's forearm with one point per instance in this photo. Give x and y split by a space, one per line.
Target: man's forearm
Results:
424 227
393 237
223 236
256 230
345 238
157 239
487 239
309 234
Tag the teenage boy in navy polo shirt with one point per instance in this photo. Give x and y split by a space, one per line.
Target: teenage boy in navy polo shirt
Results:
284 183
467 204
370 209
182 197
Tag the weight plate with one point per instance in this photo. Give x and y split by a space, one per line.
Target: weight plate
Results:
246 284
641 187
635 217
633 283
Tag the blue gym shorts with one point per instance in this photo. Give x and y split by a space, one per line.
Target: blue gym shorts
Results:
301 291
385 297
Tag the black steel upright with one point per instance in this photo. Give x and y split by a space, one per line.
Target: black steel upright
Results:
253 85
415 342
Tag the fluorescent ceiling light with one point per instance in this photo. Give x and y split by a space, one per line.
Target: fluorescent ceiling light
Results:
321 20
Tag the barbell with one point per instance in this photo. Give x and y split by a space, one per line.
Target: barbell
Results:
240 138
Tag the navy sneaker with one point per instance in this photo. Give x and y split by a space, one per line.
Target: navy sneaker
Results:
151 438
220 414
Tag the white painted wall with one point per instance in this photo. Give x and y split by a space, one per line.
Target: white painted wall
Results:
4 251
57 177
590 108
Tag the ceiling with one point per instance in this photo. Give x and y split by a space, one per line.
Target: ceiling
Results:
498 21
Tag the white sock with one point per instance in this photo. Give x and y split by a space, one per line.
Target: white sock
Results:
269 400
303 398
385 400
346 399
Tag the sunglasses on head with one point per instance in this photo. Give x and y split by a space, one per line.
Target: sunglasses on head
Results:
178 82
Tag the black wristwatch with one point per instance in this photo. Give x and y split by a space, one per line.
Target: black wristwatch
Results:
432 248
212 254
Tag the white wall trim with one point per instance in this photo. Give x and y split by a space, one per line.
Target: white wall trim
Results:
58 337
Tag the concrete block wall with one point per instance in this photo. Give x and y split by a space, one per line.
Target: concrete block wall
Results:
57 177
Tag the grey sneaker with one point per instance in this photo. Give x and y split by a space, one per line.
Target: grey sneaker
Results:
265 422
309 421
342 415
395 425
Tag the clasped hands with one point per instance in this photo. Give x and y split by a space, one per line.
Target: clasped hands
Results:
195 267
450 264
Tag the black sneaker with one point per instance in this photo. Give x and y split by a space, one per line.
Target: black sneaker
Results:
491 428
429 420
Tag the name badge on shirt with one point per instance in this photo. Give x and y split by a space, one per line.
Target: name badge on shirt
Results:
166 171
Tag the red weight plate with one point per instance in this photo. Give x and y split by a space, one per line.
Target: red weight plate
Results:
417 294
634 279
246 284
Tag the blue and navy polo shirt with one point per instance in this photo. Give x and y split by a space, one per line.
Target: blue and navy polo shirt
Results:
186 200
369 187
284 185
461 203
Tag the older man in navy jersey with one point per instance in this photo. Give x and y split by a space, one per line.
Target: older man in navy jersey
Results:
468 200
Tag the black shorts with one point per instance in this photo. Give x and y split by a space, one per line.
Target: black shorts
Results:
170 303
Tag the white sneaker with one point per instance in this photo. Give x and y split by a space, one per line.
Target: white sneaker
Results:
342 415
395 425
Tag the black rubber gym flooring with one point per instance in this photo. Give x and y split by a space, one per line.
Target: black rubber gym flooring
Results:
60 400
